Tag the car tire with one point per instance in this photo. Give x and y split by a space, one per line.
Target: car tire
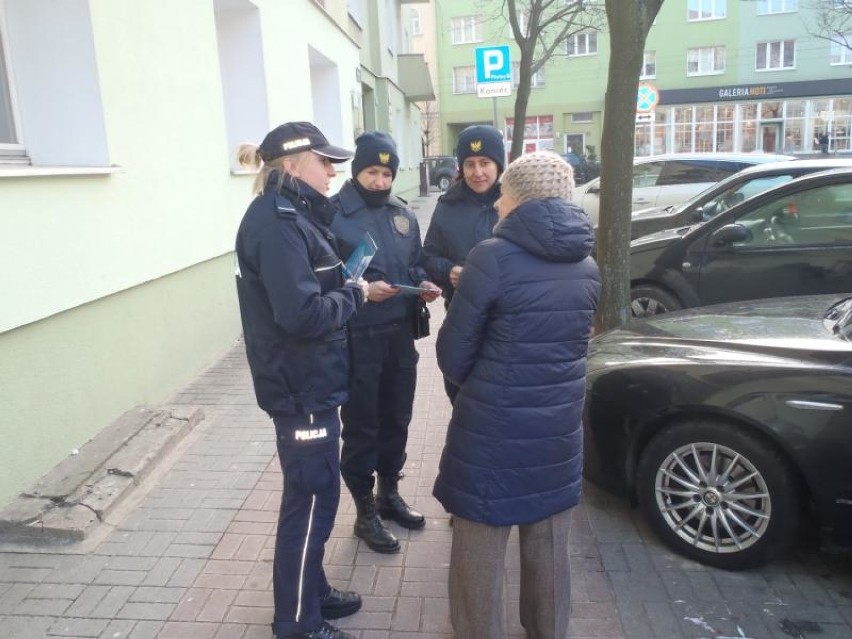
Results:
739 513
444 182
647 300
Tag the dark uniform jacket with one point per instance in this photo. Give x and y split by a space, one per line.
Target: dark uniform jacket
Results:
397 260
515 341
460 221
294 303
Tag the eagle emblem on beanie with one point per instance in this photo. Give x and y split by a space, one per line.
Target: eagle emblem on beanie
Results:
384 158
476 146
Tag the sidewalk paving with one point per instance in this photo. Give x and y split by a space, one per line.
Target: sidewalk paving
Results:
188 556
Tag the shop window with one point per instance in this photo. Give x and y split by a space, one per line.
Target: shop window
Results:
464 80
465 29
765 7
585 43
649 65
706 10
777 55
705 61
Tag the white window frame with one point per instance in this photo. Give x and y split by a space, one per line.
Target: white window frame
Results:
466 72
537 78
703 54
466 29
770 7
416 22
649 60
583 43
767 47
13 151
840 51
706 10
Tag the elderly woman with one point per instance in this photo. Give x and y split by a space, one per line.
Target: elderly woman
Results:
515 342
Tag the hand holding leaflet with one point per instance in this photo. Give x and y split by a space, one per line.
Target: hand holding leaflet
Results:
361 257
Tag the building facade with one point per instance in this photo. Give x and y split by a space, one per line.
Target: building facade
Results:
718 75
120 194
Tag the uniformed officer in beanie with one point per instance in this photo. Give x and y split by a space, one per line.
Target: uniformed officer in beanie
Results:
295 303
465 214
384 359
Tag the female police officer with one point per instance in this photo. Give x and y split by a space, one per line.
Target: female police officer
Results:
384 360
294 306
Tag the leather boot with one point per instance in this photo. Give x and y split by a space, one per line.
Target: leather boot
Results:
371 529
392 506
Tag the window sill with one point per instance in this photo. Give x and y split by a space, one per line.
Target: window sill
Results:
11 170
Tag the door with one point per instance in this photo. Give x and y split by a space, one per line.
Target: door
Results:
770 135
800 243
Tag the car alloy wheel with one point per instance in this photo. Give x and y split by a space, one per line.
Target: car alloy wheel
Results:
718 494
647 301
444 183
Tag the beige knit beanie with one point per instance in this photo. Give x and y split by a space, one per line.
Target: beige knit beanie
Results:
538 175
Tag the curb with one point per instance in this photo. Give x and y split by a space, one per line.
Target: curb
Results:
67 503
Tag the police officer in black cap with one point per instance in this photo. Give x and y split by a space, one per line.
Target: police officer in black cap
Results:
384 359
294 305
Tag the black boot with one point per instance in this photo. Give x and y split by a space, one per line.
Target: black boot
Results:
370 528
325 631
392 506
339 603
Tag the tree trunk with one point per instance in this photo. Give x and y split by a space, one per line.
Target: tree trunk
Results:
522 99
629 23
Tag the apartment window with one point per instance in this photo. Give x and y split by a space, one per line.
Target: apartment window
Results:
771 56
465 29
840 51
537 79
581 117
705 61
356 10
706 9
464 80
585 43
776 6
649 65
416 25
48 49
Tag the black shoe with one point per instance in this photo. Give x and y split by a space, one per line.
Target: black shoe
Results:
337 603
392 506
371 529
325 631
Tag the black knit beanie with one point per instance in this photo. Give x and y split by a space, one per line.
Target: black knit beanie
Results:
481 140
375 148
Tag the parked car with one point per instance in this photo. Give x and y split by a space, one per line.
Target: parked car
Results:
442 170
732 190
730 425
661 180
794 239
585 168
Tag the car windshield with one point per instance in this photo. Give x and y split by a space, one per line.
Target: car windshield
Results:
839 318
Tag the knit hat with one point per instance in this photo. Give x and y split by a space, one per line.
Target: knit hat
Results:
481 140
538 175
375 148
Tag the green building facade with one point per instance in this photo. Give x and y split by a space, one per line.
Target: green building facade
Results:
726 75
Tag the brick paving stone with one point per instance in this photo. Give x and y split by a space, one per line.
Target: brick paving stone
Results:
12 627
146 630
70 627
188 630
118 629
148 594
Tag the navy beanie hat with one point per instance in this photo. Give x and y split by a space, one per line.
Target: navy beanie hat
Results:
481 140
375 148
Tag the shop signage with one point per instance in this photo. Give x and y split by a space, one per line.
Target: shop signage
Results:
775 91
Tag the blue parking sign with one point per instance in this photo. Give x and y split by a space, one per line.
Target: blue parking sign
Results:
493 64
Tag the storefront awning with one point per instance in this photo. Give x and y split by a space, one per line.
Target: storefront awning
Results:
414 78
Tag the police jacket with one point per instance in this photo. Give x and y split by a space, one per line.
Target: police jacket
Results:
460 221
515 341
397 260
294 304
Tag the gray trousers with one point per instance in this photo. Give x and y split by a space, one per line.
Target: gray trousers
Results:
477 569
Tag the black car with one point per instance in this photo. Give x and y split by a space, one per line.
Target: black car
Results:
794 239
443 169
732 190
730 425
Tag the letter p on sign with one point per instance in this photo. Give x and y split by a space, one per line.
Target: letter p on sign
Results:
493 64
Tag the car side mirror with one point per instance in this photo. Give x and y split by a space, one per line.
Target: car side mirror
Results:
698 214
594 188
731 233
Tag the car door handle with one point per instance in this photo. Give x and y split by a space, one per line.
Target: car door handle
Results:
811 405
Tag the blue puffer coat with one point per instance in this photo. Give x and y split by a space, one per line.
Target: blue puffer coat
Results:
515 341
